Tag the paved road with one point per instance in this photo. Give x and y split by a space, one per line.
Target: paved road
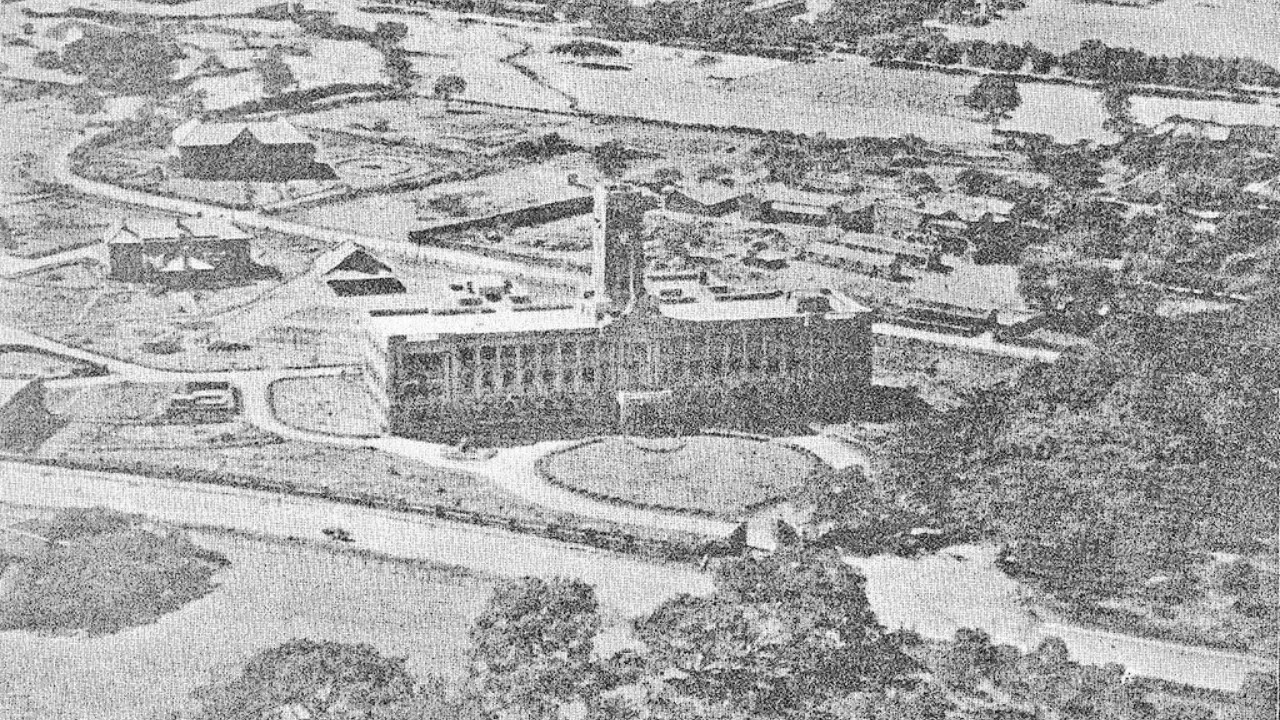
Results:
58 164
632 585
962 587
934 595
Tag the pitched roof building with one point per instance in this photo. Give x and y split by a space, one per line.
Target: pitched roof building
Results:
243 150
178 251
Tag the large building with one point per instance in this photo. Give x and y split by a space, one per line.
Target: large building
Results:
182 252
641 348
273 150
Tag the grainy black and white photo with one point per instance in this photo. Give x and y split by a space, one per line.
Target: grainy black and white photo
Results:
639 359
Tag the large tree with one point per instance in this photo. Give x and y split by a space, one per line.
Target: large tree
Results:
532 647
995 96
781 636
324 680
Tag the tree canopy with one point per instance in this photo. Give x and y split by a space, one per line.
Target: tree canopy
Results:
324 680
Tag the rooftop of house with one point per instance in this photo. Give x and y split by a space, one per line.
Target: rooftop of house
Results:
136 230
881 244
196 133
781 195
764 6
10 388
710 193
856 255
969 208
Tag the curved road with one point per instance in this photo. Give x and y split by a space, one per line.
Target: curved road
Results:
629 584
934 595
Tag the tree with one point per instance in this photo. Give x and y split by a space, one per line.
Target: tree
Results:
275 73
995 96
532 647
388 34
323 680
104 572
135 61
447 86
612 157
782 635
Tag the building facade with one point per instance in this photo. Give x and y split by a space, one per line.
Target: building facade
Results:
183 252
649 350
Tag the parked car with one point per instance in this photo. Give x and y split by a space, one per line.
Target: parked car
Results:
337 533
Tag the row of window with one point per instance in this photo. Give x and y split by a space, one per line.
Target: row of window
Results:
546 368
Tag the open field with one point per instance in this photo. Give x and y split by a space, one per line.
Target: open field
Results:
717 475
393 215
272 592
330 405
1170 27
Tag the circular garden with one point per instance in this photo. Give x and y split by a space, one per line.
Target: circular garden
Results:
717 476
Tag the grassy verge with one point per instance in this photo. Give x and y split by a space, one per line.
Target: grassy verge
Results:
374 479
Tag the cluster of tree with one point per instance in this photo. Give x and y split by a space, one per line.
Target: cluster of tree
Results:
274 72
790 158
1093 60
103 572
1114 471
994 96
586 48
132 61
790 636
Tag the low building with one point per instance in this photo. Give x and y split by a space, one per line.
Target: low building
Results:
484 358
948 216
25 422
350 270
865 262
183 252
767 260
274 150
775 10
713 199
787 205
912 254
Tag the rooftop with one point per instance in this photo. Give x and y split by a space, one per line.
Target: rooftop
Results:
699 297
493 305
196 133
710 193
136 230
9 388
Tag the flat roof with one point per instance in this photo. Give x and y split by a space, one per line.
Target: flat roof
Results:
431 323
697 303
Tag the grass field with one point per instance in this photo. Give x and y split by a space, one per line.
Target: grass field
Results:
272 592
332 405
722 476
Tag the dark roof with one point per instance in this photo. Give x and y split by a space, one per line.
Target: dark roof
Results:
201 134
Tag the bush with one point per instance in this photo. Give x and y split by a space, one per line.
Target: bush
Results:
586 48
